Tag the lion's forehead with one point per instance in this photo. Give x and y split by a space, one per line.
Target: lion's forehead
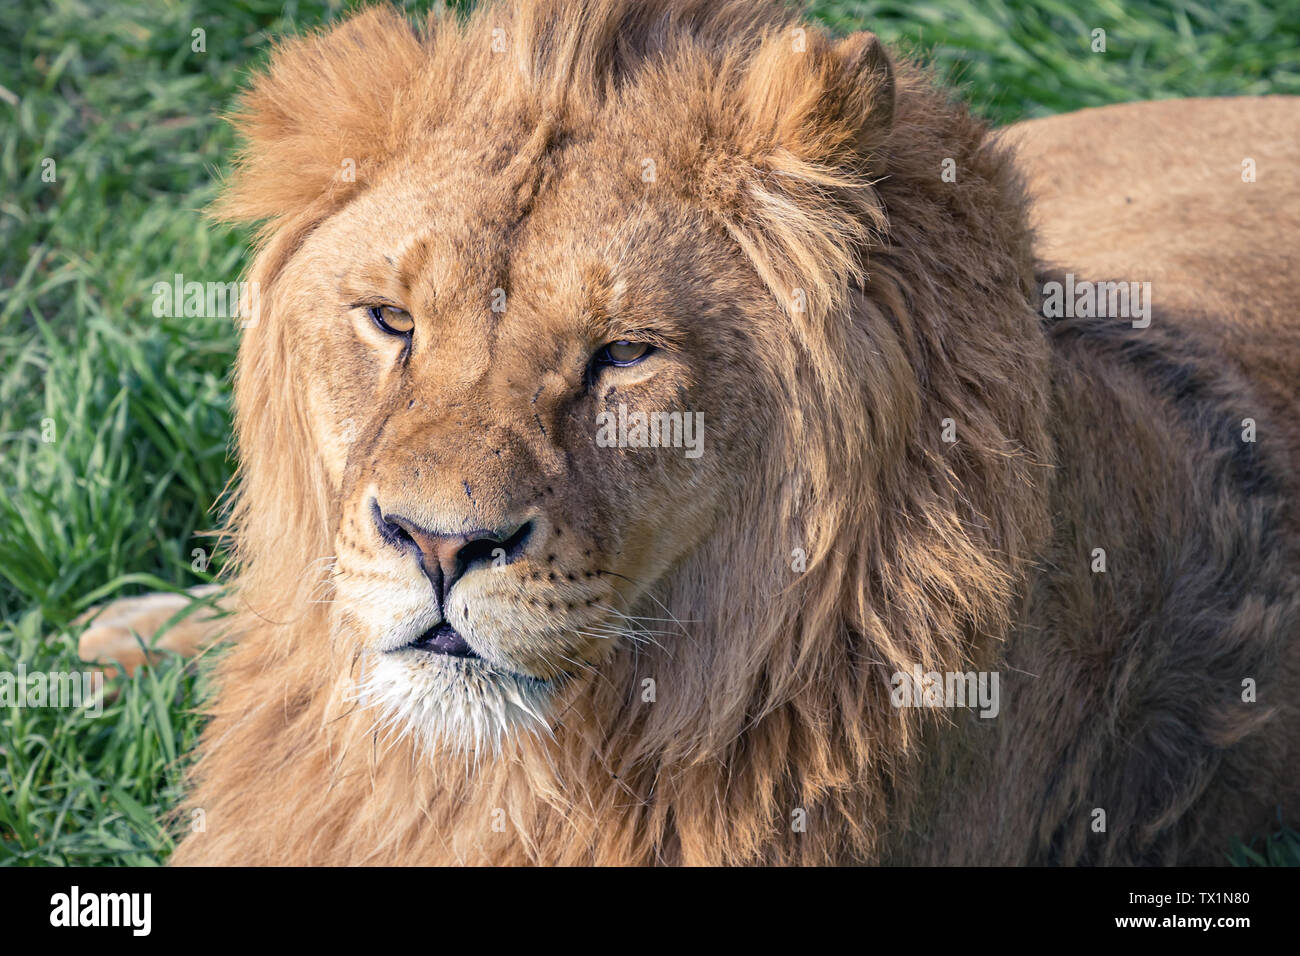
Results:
459 220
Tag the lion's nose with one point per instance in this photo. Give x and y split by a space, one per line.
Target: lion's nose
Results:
446 557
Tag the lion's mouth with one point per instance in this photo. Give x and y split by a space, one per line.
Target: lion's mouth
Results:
442 639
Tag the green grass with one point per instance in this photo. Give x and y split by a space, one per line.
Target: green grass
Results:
139 406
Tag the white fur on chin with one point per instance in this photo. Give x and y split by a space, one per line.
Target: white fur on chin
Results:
458 704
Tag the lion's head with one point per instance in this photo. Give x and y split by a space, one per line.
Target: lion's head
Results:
501 256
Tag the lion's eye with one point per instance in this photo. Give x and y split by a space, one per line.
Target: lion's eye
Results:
623 352
391 320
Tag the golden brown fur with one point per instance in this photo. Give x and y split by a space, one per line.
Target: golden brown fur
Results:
783 161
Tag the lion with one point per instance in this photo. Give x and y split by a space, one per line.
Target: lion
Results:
988 553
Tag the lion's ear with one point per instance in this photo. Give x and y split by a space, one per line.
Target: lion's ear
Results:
811 134
322 117
867 91
818 101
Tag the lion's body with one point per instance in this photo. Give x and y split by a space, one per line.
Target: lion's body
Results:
770 735
1124 689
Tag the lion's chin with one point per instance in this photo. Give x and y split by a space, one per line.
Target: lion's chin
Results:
452 703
